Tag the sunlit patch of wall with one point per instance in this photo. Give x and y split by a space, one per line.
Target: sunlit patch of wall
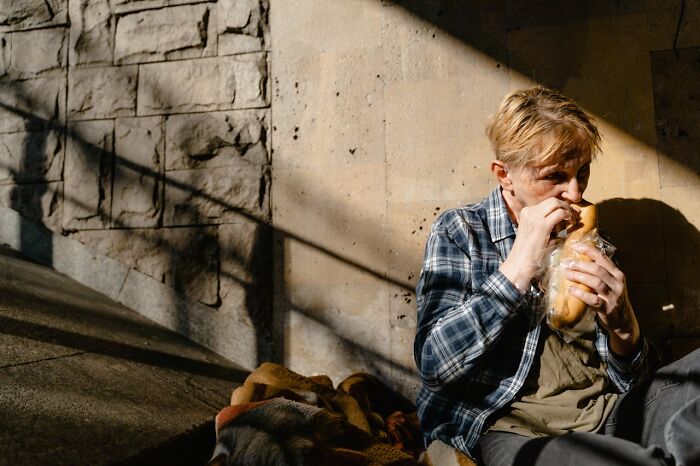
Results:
379 110
152 144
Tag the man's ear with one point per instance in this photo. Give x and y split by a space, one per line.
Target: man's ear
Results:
499 170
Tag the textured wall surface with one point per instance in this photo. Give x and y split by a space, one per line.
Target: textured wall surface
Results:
142 129
379 115
152 131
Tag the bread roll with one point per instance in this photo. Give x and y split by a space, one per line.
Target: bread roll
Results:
568 310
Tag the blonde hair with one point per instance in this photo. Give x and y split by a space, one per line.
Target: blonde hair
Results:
540 127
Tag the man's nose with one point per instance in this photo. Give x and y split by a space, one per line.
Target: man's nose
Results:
573 191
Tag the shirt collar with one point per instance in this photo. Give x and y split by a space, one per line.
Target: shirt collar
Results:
497 218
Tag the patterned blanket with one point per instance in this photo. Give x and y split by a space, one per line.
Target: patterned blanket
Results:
278 417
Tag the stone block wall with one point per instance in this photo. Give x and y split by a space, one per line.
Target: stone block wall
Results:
142 129
145 129
380 109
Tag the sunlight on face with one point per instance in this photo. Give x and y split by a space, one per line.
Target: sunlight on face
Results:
566 181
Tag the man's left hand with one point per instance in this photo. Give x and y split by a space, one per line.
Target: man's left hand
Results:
608 297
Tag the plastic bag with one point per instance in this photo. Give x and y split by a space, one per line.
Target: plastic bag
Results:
556 262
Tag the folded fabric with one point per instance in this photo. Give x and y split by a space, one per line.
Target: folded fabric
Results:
278 417
442 454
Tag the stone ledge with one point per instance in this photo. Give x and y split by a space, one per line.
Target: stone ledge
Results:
185 259
219 331
65 255
210 328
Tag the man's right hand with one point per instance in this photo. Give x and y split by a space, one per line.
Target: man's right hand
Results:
535 225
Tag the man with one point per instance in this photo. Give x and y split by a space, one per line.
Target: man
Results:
497 384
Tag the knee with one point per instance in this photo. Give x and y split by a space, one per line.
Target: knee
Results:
687 366
690 360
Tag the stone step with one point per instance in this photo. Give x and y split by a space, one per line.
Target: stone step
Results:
193 447
85 380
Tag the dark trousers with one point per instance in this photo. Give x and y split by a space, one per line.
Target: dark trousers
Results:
656 423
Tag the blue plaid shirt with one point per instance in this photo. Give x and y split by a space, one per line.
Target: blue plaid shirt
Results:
476 336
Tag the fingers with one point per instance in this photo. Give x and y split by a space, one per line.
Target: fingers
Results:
591 281
587 249
607 295
598 257
557 216
552 203
535 226
554 211
603 278
546 207
593 300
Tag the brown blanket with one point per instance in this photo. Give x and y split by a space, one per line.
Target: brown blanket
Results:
278 417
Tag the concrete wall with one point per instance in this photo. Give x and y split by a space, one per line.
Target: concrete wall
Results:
147 130
142 129
379 109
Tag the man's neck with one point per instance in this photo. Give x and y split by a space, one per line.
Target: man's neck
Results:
512 205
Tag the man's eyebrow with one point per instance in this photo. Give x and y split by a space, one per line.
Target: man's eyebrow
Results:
548 170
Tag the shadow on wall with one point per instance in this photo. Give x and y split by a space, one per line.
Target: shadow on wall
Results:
655 261
258 285
374 362
627 62
23 199
101 161
634 65
485 25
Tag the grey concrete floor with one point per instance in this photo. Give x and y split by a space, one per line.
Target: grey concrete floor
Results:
83 380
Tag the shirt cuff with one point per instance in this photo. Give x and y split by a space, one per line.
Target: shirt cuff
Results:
630 363
499 286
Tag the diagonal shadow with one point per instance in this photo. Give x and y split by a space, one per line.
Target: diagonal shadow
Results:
374 360
88 343
257 298
491 27
140 169
604 54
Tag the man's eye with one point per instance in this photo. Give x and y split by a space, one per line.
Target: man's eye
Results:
583 172
554 177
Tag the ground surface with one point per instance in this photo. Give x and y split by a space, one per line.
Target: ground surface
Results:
84 380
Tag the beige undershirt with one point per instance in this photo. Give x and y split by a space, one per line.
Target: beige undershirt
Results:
566 390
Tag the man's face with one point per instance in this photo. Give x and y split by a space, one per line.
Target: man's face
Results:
566 181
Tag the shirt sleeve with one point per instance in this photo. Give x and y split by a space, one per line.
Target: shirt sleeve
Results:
456 323
625 373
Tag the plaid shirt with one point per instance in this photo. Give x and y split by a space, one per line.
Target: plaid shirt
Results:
476 337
